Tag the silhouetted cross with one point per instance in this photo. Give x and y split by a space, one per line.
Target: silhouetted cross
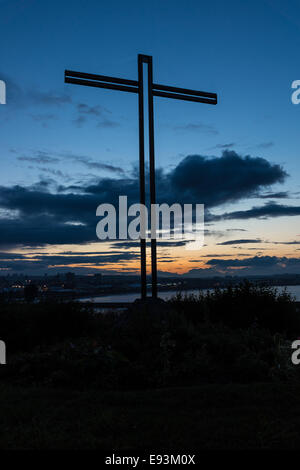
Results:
133 86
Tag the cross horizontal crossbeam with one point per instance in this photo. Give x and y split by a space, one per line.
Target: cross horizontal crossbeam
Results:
101 81
123 84
184 94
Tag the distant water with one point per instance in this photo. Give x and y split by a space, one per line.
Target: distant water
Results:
132 296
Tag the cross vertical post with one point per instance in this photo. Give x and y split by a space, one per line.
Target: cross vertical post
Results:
148 60
154 89
142 171
152 180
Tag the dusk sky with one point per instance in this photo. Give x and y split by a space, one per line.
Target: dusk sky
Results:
66 149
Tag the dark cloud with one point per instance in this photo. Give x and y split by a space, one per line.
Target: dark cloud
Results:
40 157
56 173
43 262
166 274
160 243
240 241
256 261
202 273
198 127
214 181
265 145
47 217
225 146
41 230
17 96
107 123
211 255
294 242
256 265
268 210
86 112
278 195
83 108
49 98
94 165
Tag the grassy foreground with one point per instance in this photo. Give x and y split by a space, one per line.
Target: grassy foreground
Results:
226 416
212 371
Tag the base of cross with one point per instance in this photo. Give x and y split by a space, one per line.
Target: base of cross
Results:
150 303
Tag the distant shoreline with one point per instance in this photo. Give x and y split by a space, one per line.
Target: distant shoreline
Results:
130 297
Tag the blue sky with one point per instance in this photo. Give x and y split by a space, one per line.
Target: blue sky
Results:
247 52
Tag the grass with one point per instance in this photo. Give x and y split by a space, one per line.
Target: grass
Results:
228 416
202 372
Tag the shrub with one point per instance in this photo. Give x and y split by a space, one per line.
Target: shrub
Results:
243 306
25 326
230 335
